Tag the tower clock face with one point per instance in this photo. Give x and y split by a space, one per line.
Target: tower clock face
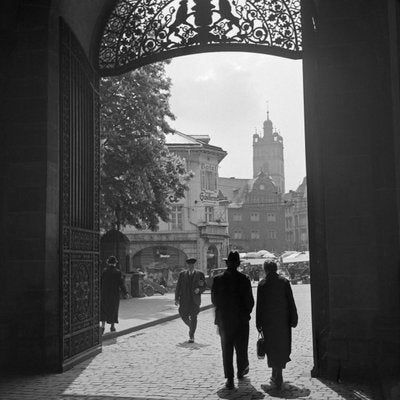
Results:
262 187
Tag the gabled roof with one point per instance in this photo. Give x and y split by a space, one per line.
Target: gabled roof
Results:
263 177
179 140
234 189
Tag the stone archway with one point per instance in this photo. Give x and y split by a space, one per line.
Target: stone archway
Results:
351 85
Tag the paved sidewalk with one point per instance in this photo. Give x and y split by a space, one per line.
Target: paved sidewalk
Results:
157 363
142 312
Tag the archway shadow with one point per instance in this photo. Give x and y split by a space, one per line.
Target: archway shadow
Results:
353 390
287 391
243 390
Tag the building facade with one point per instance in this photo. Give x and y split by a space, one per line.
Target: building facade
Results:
268 154
296 218
198 225
256 214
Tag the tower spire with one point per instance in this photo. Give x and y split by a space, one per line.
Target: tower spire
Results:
267 110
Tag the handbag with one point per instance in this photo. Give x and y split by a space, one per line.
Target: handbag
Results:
260 346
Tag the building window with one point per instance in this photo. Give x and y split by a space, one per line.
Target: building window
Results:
254 217
209 214
271 217
237 235
209 178
272 235
176 218
255 235
237 217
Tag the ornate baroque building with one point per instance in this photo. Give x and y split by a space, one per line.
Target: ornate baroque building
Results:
198 225
256 213
256 209
296 218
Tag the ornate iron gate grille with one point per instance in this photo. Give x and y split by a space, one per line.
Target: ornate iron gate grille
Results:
79 199
138 31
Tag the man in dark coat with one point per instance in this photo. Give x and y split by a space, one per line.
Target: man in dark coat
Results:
111 284
191 284
276 314
233 299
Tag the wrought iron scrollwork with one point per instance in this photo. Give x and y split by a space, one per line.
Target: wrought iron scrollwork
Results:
137 31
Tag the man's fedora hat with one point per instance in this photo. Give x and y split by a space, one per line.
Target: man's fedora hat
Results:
112 260
233 258
191 260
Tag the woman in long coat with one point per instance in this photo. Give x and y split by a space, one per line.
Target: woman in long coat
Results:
112 283
276 315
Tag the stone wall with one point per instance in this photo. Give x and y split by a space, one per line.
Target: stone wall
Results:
353 213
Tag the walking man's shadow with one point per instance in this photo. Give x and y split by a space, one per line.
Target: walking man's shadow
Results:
287 391
243 390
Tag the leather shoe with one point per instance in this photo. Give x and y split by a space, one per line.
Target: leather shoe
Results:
229 384
240 375
276 383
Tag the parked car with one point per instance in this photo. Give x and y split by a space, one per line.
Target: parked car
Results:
214 272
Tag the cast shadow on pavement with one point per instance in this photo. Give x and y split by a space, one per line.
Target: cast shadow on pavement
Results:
192 346
243 390
287 391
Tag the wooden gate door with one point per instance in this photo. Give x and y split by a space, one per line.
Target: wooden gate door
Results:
79 202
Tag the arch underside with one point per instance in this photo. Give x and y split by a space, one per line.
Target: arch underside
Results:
144 31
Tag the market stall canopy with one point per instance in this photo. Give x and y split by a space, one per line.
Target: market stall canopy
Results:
288 253
265 254
254 261
303 256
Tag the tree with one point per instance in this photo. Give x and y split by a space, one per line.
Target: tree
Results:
138 173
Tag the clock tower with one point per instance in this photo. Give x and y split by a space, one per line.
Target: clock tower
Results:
268 154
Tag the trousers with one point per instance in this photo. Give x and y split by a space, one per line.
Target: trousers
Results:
189 317
234 338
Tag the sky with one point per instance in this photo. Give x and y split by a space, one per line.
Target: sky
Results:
226 96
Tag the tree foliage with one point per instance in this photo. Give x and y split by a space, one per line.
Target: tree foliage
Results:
138 173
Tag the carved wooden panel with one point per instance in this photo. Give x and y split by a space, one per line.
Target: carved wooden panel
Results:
79 199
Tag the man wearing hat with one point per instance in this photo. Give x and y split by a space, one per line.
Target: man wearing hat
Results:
191 284
233 299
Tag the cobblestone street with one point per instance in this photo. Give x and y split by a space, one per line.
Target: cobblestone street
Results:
158 363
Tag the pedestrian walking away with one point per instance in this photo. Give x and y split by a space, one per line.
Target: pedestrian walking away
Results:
233 299
276 315
112 283
191 284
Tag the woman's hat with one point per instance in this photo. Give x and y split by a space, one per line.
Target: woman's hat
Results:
191 260
112 260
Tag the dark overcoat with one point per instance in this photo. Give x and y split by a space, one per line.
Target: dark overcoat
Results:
189 301
276 314
233 298
111 284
